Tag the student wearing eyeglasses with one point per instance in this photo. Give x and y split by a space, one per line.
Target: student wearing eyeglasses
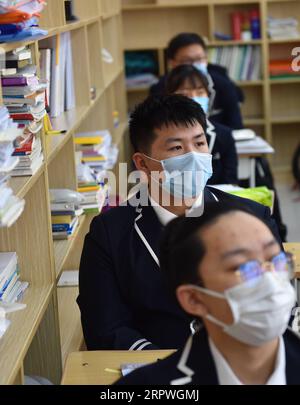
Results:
227 269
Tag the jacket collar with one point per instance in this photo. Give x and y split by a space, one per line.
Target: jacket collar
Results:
149 228
197 365
211 132
196 362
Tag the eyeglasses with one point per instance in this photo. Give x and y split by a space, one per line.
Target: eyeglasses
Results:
282 264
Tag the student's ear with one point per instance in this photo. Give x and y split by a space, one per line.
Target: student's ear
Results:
140 163
191 301
171 64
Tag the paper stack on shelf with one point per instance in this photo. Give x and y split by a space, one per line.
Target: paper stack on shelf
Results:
11 207
19 20
65 212
11 288
24 96
244 63
283 28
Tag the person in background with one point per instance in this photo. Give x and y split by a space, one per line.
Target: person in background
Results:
225 99
227 269
123 299
190 49
190 82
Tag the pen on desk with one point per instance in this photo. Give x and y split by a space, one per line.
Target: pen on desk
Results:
56 132
112 370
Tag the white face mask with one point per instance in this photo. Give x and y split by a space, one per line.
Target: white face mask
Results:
261 308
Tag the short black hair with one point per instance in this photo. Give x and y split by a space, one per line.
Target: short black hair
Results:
178 76
181 41
159 111
181 247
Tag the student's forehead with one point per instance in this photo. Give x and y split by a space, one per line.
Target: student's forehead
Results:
235 227
191 49
190 84
173 130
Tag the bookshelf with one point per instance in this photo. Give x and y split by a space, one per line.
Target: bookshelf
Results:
271 105
40 337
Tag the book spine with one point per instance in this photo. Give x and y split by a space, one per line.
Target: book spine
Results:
236 21
20 81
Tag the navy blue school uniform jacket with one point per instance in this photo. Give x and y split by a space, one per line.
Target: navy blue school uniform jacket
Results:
225 160
194 365
123 298
225 106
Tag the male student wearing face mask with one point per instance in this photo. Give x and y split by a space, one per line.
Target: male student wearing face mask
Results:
190 49
190 82
227 269
122 295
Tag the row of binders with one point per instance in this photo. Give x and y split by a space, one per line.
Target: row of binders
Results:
19 19
244 63
56 65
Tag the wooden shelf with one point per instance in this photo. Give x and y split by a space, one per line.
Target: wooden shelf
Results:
15 342
21 185
254 121
62 248
71 335
119 132
110 15
291 80
250 83
286 120
234 43
69 121
284 41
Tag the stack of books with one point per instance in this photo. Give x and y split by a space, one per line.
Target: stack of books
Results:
244 63
24 96
282 69
65 214
283 28
94 197
19 19
11 207
97 150
11 288
91 185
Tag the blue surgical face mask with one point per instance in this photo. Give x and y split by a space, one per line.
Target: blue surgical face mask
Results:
203 102
186 175
202 67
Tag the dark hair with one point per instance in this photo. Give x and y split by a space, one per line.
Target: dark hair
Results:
159 111
183 40
178 76
182 250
